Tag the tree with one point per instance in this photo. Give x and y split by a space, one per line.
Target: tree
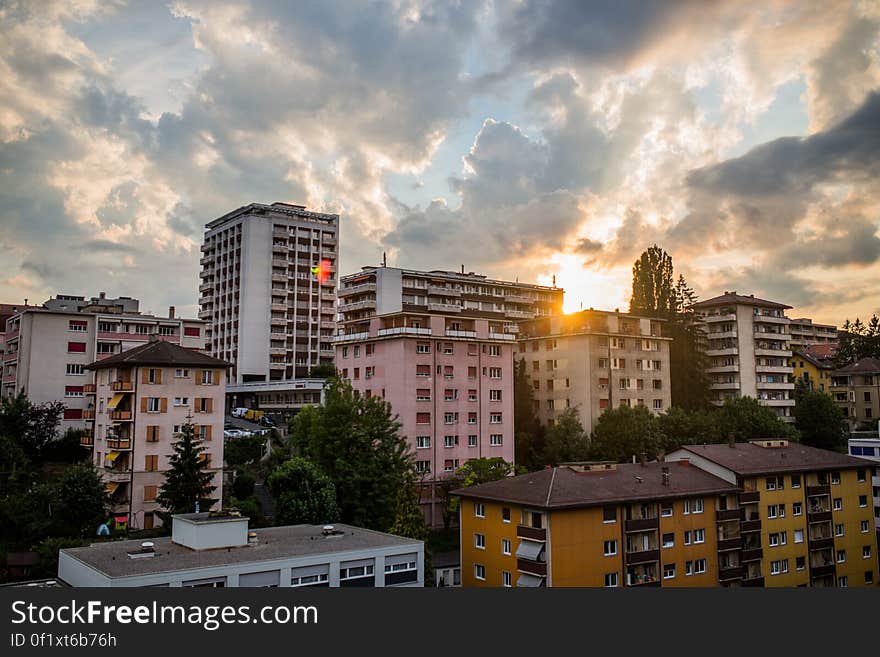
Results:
858 340
409 521
528 433
355 440
32 426
624 432
747 419
688 427
244 450
566 440
80 501
303 494
322 371
483 470
820 421
653 291
187 482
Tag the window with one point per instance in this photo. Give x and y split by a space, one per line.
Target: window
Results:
76 347
450 441
495 418
688 568
421 348
505 546
495 395
181 374
370 349
800 563
866 552
472 441
688 537
472 395
78 326
842 582
863 501
353 572
771 511
153 433
668 540
423 442
150 493
699 536
479 510
450 394
779 567
798 535
697 505
450 418
75 369
480 541
207 377
863 526
610 548
610 580
506 579
835 478
181 401
666 509
472 418
838 503
860 475
423 467
357 351
505 514
838 529
448 348
151 462
658 404
423 394
73 391
841 556
797 508
869 577
777 538
668 571
771 483
795 481
685 507
153 405
496 439
448 371
480 571
423 418
494 349
609 514
345 352
700 566
494 372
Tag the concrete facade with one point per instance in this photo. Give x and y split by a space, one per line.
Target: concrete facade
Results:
869 449
268 313
593 360
805 332
748 341
856 390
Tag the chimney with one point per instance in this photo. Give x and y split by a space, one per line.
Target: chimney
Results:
170 312
102 295
661 456
731 440
665 475
643 458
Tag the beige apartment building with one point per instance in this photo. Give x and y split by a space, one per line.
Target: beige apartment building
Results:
139 402
856 390
593 360
805 332
748 344
47 349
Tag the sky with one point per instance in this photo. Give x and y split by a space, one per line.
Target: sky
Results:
524 140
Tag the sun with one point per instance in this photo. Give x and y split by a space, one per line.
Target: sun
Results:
587 288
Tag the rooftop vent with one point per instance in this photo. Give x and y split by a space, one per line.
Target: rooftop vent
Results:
253 539
330 530
147 550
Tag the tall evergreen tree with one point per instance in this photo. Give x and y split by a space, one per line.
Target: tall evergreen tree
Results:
653 290
529 435
187 482
566 440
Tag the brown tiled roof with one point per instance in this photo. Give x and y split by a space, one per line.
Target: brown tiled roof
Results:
159 352
825 351
563 487
822 363
750 459
865 365
733 298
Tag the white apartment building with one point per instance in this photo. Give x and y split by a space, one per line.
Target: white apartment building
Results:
46 351
593 360
869 448
805 332
268 293
749 346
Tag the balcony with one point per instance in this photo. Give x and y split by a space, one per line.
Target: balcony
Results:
644 556
726 544
502 336
823 571
444 307
770 319
751 554
9 378
749 497
116 475
205 314
328 325
823 489
531 533
726 385
357 305
727 514
120 416
519 314
207 260
206 287
277 365
821 543
750 526
517 298
279 262
773 369
818 516
87 440
532 567
278 307
88 414
437 291
711 319
721 369
90 389
279 278
719 335
278 321
122 386
641 524
730 573
722 351
119 444
753 581
460 334
775 353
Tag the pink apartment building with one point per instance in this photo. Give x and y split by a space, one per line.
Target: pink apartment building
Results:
450 381
141 398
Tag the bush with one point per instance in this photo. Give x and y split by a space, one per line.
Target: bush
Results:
249 507
243 486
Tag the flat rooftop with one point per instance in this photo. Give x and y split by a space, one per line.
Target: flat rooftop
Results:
111 558
564 487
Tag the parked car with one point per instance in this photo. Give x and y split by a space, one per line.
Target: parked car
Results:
239 412
266 421
234 433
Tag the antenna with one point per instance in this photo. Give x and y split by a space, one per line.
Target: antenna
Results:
384 259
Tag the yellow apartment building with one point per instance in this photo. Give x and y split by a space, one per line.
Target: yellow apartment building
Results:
814 372
601 524
806 513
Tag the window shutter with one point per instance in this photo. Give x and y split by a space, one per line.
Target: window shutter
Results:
163 405
197 404
143 404
145 375
209 405
198 377
158 375
208 432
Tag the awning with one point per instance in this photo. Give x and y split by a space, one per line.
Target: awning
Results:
114 401
111 487
531 581
112 456
529 550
